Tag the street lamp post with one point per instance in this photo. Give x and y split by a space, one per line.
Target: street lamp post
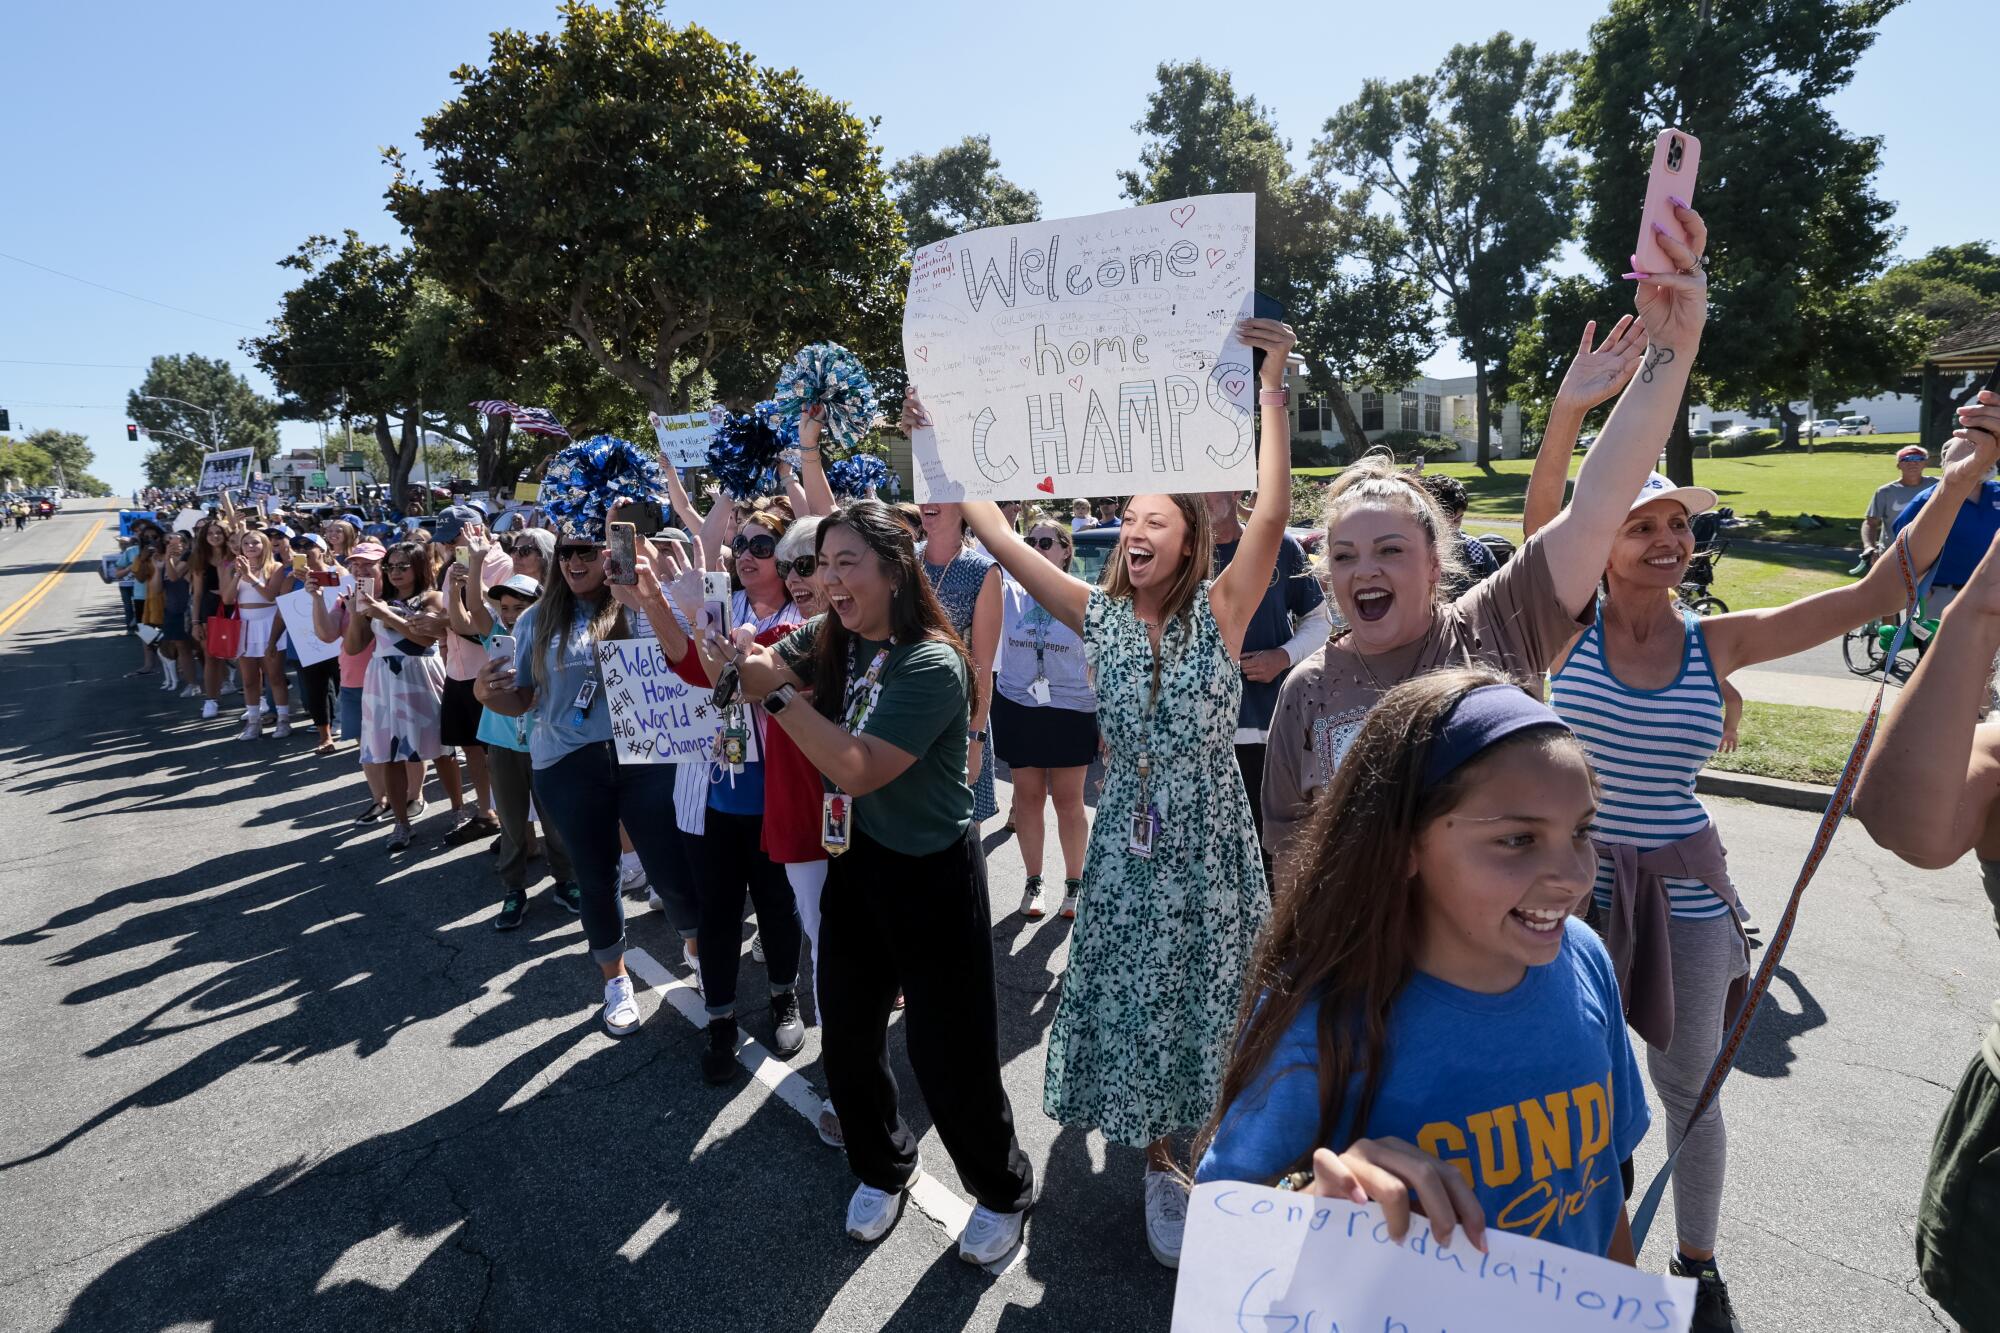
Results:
214 433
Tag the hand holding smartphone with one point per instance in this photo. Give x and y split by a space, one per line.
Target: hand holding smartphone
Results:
502 649
622 555
1676 158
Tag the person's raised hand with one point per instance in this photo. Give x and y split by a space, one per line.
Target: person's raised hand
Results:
811 423
497 674
645 585
1974 447
1598 374
914 417
1674 306
1275 339
685 584
1389 1171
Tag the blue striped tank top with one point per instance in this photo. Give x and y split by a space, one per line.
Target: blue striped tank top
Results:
1647 746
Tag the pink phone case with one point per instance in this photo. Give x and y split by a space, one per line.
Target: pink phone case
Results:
1676 158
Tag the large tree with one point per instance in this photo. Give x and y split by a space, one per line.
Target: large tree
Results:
662 197
1796 230
1318 253
216 409
1465 157
957 189
22 463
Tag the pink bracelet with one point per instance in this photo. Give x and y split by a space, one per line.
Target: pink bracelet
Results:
1274 397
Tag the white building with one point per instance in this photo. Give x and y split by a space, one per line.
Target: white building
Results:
1448 408
1891 413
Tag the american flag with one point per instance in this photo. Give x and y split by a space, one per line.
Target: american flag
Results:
534 420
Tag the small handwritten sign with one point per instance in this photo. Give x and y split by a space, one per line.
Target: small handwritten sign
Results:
656 717
1256 1258
684 437
226 470
1086 356
296 608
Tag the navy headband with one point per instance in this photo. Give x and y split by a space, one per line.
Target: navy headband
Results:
1481 719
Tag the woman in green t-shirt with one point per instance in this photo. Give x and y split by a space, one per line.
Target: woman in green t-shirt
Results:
905 901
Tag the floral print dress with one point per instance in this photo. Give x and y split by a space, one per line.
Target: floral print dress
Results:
957 585
1160 947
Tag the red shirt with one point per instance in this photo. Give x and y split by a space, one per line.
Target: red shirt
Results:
792 786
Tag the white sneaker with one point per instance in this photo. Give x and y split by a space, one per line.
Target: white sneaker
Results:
284 727
633 880
871 1212
210 709
653 899
1069 904
190 691
1032 906
1166 1216
621 1009
990 1237
252 730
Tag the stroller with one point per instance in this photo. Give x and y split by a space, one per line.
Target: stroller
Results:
1709 545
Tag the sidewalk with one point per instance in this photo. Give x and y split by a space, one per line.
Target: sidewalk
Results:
1853 695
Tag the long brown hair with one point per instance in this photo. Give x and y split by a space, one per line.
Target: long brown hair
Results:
557 607
1344 928
915 614
1177 603
1376 477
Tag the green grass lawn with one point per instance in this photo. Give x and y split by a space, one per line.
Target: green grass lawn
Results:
1834 483
1744 579
1792 742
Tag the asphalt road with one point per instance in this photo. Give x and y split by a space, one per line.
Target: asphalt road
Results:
257 1075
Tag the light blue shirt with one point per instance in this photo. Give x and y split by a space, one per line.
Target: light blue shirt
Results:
556 680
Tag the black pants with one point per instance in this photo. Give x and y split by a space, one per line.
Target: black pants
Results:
727 861
1250 759
320 683
924 923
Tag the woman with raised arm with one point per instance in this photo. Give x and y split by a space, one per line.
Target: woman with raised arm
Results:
1930 793
1388 545
1642 689
1173 885
968 587
403 684
905 900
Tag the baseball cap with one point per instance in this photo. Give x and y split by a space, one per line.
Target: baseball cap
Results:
281 530
310 541
1694 499
368 550
1913 451
520 585
451 522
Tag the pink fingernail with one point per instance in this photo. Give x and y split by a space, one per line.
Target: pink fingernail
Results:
1635 275
1680 202
1658 228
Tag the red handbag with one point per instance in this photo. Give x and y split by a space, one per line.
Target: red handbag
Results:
224 638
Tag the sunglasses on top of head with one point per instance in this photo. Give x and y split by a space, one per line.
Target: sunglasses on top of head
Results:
761 547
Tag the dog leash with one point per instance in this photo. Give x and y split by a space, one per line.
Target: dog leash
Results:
1829 824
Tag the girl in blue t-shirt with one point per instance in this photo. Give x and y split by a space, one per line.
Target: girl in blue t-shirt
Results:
1426 1017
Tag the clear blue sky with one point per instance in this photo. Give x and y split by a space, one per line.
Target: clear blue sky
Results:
178 151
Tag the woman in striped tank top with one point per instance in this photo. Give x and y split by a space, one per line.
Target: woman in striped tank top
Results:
1642 688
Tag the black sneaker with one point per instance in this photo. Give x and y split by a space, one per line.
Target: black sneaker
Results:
1712 1310
511 911
790 1034
718 1062
568 896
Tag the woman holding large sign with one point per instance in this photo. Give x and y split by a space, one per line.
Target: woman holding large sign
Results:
1173 887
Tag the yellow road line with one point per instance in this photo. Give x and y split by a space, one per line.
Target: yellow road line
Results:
14 614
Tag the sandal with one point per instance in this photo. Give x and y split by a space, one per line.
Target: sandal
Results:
325 748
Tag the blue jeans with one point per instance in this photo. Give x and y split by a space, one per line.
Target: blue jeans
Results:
586 794
350 712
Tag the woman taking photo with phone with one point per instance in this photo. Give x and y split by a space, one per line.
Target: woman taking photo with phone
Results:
252 583
1045 723
1173 887
401 692
905 901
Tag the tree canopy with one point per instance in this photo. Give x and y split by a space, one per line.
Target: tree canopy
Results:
181 434
957 189
1483 200
662 197
1318 253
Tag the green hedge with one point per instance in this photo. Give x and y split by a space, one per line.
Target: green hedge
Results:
1751 442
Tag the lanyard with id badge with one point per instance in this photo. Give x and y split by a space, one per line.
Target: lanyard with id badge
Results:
1038 688
836 831
1144 829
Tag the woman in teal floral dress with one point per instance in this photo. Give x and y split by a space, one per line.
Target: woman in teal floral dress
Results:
1173 888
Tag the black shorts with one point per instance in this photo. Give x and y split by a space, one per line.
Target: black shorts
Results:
458 715
1045 737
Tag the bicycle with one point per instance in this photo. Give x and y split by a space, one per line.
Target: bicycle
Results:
1865 648
1700 577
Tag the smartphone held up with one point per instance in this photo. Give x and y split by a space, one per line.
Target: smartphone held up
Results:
1676 158
621 554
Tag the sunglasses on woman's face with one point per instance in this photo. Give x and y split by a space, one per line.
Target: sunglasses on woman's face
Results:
587 554
761 547
805 566
403 568
1047 543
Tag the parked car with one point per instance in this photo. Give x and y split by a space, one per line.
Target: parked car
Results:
1826 427
1858 425
1093 548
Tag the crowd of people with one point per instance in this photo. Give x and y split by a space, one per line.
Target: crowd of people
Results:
1388 854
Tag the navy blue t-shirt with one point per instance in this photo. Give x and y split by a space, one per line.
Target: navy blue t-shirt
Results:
1533 1096
1971 532
1293 592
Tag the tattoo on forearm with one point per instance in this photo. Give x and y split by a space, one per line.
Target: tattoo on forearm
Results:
1655 358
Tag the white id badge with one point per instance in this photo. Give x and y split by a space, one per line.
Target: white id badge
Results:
836 823
1139 837
1038 690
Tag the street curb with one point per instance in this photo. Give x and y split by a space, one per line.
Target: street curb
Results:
1764 791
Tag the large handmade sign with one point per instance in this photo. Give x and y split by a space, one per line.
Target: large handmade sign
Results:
228 470
1087 356
1256 1258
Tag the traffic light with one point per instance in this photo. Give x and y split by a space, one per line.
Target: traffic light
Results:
131 433
5 424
